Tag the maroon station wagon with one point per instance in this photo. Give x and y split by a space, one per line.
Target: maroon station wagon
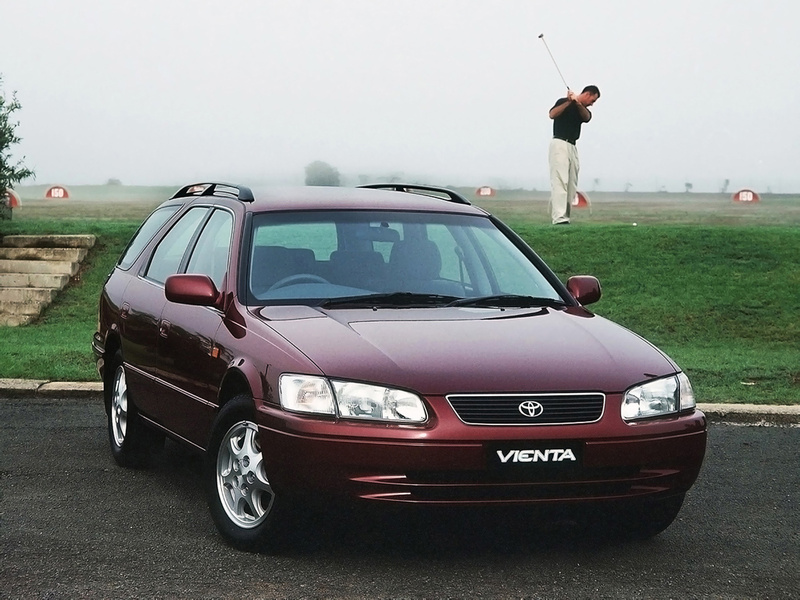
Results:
394 345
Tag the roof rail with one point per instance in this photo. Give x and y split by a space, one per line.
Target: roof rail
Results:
414 188
230 190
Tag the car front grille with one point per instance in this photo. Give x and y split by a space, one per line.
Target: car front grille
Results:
528 409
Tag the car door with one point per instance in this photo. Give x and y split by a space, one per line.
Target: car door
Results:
143 304
136 320
192 368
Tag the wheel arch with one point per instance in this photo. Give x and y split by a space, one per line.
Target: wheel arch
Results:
113 345
241 378
233 384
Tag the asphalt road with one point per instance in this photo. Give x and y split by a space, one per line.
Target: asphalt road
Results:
74 525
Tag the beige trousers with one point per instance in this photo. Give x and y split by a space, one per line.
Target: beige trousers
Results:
564 167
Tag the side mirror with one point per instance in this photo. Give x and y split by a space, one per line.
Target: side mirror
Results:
584 288
198 290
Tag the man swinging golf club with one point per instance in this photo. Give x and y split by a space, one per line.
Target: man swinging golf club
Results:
568 115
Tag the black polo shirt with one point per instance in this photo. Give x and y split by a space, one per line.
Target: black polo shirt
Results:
567 125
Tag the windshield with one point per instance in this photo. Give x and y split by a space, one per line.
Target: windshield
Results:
407 258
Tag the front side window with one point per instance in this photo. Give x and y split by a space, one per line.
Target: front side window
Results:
316 257
210 254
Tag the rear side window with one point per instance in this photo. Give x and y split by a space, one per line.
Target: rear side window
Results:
146 232
170 250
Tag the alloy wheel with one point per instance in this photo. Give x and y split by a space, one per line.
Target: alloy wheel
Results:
244 491
119 407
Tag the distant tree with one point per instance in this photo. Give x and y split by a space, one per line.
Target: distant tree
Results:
628 187
113 181
321 173
596 182
10 173
725 185
394 177
689 187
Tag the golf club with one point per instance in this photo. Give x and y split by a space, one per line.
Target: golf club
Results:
541 37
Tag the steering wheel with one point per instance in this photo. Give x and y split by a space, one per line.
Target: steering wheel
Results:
299 278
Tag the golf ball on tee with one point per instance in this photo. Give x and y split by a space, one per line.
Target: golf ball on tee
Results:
634 224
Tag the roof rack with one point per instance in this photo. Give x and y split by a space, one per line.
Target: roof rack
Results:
414 188
230 190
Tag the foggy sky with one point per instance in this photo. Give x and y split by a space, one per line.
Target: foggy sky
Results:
451 92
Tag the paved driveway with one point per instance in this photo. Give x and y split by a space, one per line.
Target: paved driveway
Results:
74 525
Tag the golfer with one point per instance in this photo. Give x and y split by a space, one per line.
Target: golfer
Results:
568 115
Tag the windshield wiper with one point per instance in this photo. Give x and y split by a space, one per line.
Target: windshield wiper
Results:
508 300
392 299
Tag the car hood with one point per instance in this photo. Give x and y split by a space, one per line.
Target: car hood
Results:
462 350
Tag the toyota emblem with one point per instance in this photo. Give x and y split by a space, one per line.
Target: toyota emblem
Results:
531 408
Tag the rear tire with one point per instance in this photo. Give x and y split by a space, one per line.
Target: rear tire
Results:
247 511
132 443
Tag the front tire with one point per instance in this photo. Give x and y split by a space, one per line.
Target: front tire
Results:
246 509
655 516
640 520
132 443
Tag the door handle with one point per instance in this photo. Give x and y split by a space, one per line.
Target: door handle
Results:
163 328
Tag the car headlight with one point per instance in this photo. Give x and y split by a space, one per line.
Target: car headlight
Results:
350 400
660 397
306 394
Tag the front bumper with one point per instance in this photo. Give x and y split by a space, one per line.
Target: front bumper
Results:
453 464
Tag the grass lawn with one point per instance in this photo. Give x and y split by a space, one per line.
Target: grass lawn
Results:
58 346
721 301
713 284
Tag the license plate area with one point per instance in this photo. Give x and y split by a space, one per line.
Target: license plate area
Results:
538 456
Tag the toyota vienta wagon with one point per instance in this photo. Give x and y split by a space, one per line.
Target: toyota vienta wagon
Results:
385 346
